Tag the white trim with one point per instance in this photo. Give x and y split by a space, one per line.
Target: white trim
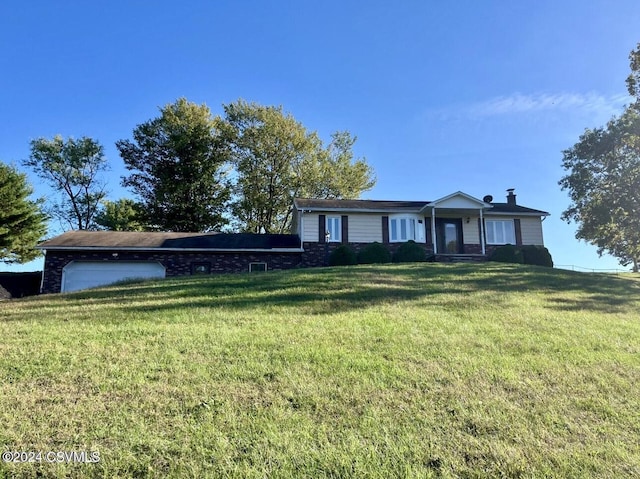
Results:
338 220
503 222
482 234
513 214
464 195
416 210
433 230
417 233
301 227
387 209
400 211
420 209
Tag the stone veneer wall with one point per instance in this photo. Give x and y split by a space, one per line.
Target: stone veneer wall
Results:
477 249
316 254
176 264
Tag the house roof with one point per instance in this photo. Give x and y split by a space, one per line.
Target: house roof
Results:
357 205
506 208
459 195
129 240
404 206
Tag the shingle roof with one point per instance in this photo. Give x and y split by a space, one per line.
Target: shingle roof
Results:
155 240
375 205
381 205
507 208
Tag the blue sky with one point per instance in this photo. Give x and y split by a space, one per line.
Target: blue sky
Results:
443 96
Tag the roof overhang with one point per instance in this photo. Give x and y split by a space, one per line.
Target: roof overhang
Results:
156 250
360 210
517 213
458 201
455 203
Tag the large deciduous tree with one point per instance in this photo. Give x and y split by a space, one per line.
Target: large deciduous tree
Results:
603 182
633 80
22 221
276 159
177 164
73 168
344 177
121 215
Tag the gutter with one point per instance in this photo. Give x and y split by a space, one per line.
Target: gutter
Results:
189 250
503 213
364 210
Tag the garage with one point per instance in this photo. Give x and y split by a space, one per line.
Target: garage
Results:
79 275
78 260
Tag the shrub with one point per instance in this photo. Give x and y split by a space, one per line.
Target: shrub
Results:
374 253
507 254
537 255
409 252
342 255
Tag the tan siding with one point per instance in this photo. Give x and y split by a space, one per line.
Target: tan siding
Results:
470 234
310 227
365 228
531 230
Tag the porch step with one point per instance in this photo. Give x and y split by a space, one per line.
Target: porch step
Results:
460 258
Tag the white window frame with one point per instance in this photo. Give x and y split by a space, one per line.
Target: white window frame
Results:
500 231
411 229
335 236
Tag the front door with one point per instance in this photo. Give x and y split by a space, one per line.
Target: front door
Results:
449 236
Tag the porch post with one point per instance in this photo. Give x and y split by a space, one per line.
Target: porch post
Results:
482 233
301 228
433 230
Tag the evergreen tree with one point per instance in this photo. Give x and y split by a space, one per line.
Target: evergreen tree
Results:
22 222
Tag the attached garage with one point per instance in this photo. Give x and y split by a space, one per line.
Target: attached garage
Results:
78 260
79 275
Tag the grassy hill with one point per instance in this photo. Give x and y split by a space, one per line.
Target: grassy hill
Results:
422 370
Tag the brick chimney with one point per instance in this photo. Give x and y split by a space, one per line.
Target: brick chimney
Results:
511 198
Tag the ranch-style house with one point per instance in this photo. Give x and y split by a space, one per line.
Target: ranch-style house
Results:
455 227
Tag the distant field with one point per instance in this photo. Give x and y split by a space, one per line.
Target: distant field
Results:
422 370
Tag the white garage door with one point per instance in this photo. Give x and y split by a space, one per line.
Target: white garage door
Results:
79 275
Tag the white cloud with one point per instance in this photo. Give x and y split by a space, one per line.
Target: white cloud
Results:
593 104
519 103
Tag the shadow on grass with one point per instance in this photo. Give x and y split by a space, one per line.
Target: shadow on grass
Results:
322 290
317 291
565 290
340 289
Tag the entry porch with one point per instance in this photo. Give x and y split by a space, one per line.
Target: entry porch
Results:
455 228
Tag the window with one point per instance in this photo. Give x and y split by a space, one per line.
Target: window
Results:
256 267
200 268
500 232
334 228
403 228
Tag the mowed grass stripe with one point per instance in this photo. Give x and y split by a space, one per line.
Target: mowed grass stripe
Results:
421 370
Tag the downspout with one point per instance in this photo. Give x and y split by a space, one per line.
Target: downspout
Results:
301 228
44 269
433 230
482 233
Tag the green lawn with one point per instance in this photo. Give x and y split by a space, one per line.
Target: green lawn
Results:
421 370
